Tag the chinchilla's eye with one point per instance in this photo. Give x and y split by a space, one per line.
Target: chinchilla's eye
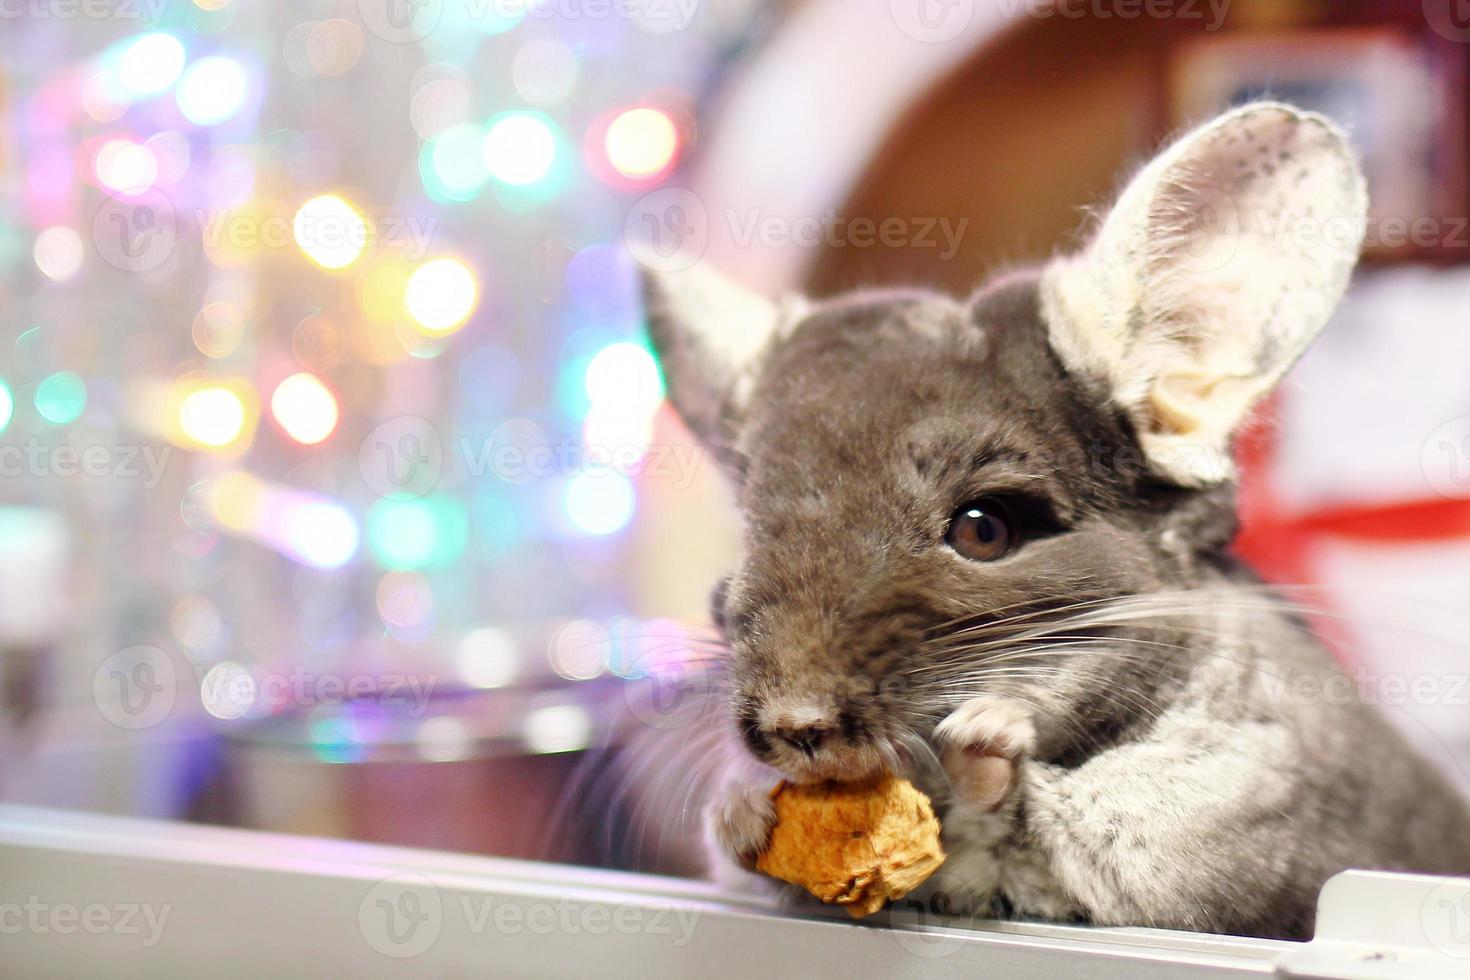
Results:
980 530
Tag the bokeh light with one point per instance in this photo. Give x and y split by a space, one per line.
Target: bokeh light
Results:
172 154
150 64
405 600
623 378
333 739
320 533
7 406
453 164
59 253
578 650
487 658
440 296
330 231
413 534
600 503
218 329
544 71
306 527
334 46
212 416
126 166
212 90
642 143
227 691
61 398
305 408
558 728
520 148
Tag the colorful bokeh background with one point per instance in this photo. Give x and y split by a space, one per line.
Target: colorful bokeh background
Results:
321 356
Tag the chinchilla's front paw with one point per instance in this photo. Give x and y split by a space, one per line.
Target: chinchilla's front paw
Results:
984 742
738 822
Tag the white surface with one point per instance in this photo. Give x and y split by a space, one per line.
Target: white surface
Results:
174 900
221 902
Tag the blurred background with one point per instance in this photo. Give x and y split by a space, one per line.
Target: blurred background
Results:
337 492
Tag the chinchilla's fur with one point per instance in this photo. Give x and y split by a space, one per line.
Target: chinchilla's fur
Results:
1117 723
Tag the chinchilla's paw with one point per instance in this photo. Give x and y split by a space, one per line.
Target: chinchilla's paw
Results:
739 822
983 743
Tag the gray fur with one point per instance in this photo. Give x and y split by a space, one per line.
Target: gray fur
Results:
1170 782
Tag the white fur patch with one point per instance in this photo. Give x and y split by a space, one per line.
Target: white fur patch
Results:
1215 269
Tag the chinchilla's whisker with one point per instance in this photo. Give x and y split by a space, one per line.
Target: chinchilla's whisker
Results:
700 762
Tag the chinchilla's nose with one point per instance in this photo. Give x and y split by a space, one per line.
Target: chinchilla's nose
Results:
804 738
805 727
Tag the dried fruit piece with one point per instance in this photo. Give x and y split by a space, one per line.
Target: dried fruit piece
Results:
854 844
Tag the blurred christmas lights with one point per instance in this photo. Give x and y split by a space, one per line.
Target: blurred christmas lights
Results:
213 417
212 90
330 231
520 148
59 253
111 120
558 728
623 379
218 329
453 163
404 599
641 143
600 503
150 64
61 398
307 527
440 295
544 71
418 533
305 408
125 166
487 658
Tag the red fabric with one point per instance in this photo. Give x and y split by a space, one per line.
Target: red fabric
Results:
1280 546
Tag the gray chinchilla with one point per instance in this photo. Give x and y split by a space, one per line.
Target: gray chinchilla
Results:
986 546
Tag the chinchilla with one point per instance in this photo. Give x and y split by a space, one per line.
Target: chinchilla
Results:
986 546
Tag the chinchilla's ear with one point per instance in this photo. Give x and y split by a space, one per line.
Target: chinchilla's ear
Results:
1219 263
711 335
